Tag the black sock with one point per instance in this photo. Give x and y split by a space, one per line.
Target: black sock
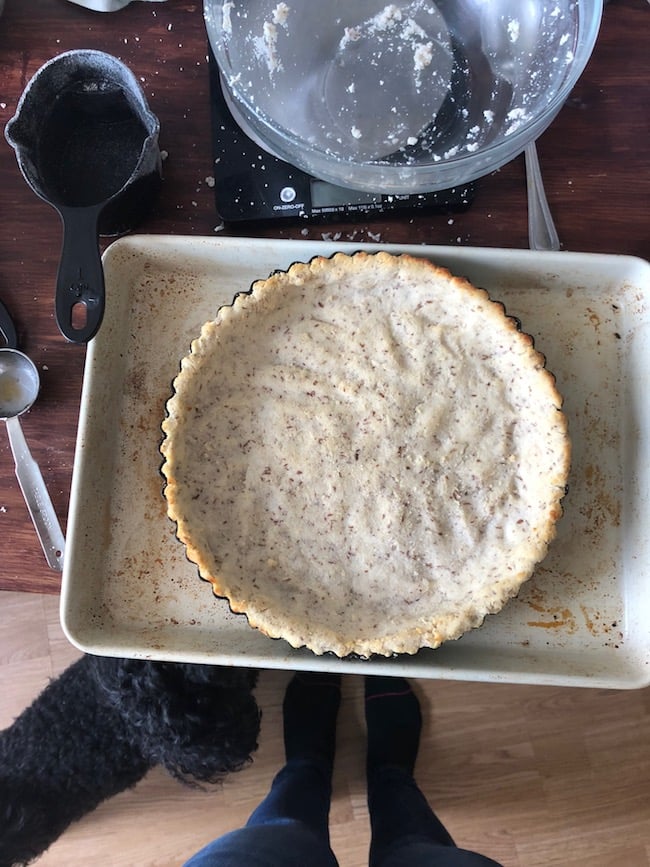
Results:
394 723
311 705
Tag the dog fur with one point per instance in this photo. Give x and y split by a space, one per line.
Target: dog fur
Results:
101 725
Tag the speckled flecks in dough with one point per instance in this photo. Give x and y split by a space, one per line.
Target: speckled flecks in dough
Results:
365 455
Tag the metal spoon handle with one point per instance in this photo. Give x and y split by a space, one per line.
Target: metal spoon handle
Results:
36 497
542 234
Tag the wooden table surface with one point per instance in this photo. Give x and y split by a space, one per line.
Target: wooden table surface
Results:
595 159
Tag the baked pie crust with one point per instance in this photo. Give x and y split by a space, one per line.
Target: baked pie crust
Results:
365 455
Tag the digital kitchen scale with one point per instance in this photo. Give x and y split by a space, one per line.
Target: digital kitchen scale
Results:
251 184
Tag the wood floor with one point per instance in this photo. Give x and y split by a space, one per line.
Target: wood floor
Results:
529 776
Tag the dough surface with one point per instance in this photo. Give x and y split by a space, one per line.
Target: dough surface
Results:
365 455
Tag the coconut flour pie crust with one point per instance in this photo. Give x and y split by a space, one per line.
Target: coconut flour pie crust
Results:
365 455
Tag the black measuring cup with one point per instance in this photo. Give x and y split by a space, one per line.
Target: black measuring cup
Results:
87 144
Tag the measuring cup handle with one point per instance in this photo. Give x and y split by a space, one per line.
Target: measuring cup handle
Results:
36 497
80 280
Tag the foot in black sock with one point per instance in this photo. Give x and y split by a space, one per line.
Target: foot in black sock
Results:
311 705
394 723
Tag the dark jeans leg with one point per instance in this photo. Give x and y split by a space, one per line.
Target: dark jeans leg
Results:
406 831
301 790
288 829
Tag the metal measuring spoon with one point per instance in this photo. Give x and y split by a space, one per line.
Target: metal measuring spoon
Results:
19 386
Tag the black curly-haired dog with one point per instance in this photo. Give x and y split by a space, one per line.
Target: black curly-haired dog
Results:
99 727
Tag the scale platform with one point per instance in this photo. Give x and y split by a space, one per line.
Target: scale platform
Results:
253 185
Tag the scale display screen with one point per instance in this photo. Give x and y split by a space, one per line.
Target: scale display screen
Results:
325 195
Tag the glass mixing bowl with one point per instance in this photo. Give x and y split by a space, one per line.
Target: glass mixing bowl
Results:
404 97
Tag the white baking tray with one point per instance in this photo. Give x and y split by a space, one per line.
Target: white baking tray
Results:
583 619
